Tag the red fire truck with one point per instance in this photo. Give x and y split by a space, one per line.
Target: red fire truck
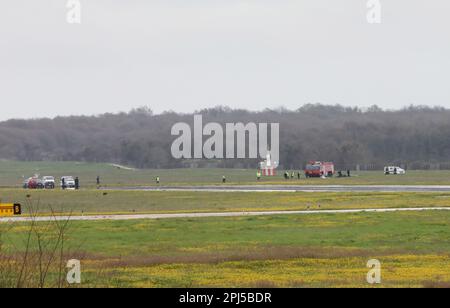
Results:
316 169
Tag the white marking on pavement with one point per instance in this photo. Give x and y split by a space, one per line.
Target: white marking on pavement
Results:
205 215
293 188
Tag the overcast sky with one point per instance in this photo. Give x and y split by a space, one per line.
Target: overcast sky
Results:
184 55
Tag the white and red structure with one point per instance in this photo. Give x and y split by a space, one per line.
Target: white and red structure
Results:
268 167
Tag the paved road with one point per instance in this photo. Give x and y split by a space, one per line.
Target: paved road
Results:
294 188
229 214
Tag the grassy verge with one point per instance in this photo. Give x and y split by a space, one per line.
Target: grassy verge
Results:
13 173
126 202
293 251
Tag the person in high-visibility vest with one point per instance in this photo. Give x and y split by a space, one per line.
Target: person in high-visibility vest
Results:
258 175
224 179
158 180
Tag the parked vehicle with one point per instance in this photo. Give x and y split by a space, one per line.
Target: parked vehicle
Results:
67 182
33 183
319 169
49 182
393 170
40 184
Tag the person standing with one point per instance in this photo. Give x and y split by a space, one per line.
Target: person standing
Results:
63 183
158 180
224 179
77 183
98 181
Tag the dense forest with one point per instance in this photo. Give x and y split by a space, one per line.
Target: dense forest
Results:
414 137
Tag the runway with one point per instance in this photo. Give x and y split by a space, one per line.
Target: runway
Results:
292 188
209 215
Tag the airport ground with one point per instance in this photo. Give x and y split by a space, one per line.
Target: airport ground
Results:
94 202
12 175
321 250
326 250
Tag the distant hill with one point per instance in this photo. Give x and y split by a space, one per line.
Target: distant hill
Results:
416 137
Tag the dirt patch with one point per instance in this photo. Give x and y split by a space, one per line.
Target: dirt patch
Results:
436 285
259 254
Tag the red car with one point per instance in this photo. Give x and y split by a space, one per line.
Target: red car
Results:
33 183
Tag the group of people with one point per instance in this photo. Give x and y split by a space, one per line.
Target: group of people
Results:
341 174
291 175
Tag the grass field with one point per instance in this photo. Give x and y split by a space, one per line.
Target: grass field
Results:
289 251
12 174
126 202
320 250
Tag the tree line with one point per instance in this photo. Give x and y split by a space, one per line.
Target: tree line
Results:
415 137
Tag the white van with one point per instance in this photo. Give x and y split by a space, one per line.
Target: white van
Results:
67 182
394 170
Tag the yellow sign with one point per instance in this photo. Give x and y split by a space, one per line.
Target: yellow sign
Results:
10 209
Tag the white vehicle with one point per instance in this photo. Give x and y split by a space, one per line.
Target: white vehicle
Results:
394 170
67 182
49 182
